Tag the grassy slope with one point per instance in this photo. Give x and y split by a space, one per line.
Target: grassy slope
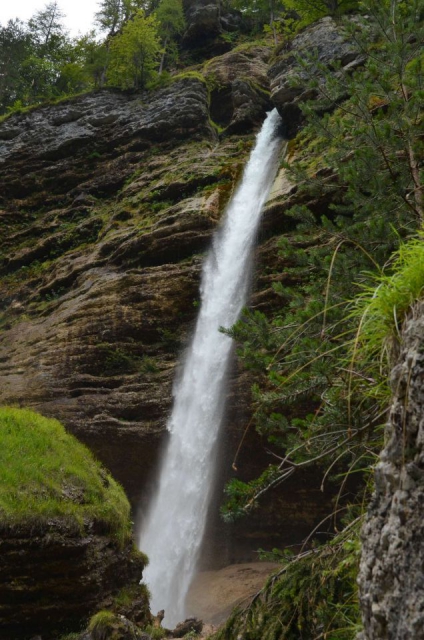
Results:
46 473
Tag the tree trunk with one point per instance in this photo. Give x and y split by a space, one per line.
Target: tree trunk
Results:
162 60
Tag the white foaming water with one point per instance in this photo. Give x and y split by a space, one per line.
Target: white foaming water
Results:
173 532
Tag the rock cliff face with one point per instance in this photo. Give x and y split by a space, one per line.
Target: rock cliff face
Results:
53 579
391 574
107 203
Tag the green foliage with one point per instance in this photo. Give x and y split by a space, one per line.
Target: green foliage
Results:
102 624
114 14
114 360
359 154
156 633
15 46
47 31
379 313
312 596
134 53
322 361
311 10
170 17
127 595
39 62
46 473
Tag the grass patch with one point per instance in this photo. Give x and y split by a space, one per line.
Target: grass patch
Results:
102 624
193 75
379 313
313 595
126 596
46 473
156 633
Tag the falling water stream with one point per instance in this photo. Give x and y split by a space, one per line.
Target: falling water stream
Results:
172 533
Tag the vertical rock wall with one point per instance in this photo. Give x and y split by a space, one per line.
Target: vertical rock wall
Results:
392 566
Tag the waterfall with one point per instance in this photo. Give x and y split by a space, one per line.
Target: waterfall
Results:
173 531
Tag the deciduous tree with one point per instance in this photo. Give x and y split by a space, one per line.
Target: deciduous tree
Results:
134 53
170 16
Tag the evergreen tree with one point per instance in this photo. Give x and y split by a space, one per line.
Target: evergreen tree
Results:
48 32
15 46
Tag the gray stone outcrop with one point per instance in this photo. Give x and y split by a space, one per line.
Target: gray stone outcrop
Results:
327 43
391 576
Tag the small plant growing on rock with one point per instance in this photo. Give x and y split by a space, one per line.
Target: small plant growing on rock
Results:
102 625
156 633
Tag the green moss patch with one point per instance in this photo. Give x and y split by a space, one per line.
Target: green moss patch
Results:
46 473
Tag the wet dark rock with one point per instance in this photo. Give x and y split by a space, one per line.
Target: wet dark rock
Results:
106 123
191 624
54 576
203 21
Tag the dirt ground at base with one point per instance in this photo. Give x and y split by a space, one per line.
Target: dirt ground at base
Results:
214 594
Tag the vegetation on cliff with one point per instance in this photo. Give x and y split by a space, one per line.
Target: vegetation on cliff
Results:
40 62
47 474
323 360
321 391
361 158
138 40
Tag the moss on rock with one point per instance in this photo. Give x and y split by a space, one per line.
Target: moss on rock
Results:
66 545
47 473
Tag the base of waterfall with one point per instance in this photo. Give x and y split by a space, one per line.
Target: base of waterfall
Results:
214 594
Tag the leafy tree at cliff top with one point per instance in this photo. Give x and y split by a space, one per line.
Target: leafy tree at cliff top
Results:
170 16
15 47
311 10
134 53
114 14
48 32
39 61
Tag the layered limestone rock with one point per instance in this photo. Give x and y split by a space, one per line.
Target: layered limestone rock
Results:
108 202
391 576
52 151
54 576
322 43
100 282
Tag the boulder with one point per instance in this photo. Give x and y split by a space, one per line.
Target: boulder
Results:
203 21
239 97
189 625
